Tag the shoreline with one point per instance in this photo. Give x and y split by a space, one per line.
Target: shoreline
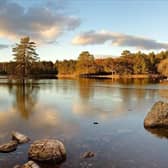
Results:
76 76
148 76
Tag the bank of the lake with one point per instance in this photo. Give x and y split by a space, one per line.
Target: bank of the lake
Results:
137 76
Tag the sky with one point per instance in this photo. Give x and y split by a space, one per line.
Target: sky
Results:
62 29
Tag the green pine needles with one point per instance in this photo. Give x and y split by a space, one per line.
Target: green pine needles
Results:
24 54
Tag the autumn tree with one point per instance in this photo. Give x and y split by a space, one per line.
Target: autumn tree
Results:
86 64
126 53
66 67
24 54
163 67
152 63
140 63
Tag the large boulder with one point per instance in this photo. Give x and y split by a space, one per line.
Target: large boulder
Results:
158 116
20 138
8 147
47 150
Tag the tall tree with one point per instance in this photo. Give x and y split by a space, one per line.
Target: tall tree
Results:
86 64
140 63
24 54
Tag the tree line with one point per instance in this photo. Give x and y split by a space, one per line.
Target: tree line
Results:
37 68
26 63
126 64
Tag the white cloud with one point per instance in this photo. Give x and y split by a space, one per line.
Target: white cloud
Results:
117 39
41 23
3 46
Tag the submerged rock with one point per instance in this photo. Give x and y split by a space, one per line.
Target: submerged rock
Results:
8 147
88 155
17 166
47 150
29 164
158 116
20 138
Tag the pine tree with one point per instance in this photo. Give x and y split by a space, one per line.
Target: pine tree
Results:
24 54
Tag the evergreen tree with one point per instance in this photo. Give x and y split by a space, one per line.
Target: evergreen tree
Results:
24 54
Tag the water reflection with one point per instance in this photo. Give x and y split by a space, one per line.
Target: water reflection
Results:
86 89
159 132
44 165
118 100
25 98
28 112
65 109
163 93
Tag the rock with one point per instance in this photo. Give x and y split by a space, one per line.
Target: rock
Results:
20 138
47 150
158 116
29 164
17 166
8 147
88 155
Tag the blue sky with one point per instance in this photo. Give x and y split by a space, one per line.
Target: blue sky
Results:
64 28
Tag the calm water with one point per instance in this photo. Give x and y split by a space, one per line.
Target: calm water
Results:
66 110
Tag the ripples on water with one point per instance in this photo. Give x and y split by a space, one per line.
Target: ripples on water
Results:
66 109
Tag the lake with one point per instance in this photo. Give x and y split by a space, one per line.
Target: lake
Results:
66 109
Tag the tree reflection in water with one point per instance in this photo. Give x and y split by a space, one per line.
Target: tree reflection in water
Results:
86 91
25 97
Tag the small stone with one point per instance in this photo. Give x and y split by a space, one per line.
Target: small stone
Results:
88 155
20 138
47 150
90 165
8 147
17 166
95 123
30 164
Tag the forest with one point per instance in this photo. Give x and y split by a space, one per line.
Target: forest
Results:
27 63
127 64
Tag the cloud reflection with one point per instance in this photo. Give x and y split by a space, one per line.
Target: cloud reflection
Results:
96 111
46 121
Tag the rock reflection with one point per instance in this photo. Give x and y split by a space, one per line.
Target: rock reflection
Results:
159 132
43 165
